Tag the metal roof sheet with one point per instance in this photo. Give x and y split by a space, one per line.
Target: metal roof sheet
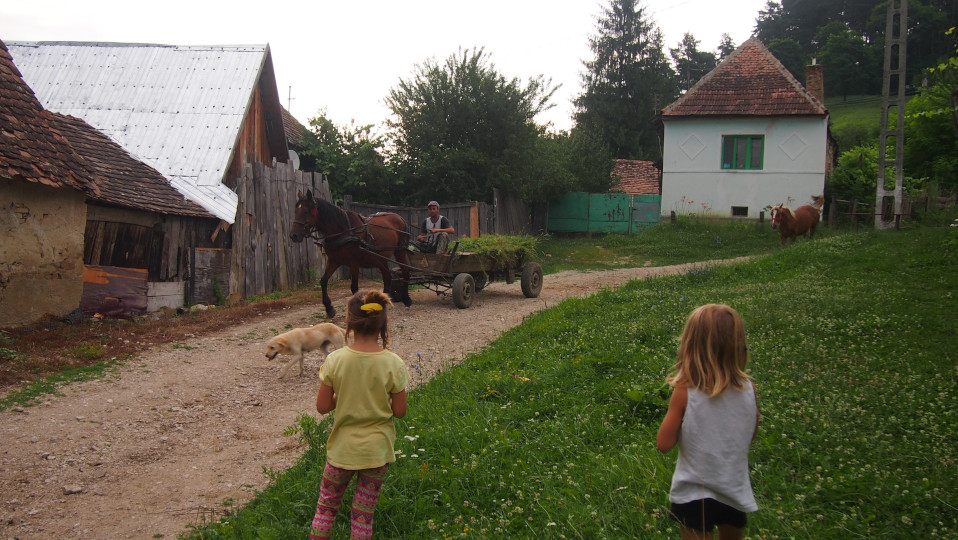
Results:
179 109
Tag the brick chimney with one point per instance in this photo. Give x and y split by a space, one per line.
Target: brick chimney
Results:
814 82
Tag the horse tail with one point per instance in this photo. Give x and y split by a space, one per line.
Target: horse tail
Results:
819 201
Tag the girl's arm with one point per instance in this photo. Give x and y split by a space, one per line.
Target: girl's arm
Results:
398 403
758 413
325 399
668 435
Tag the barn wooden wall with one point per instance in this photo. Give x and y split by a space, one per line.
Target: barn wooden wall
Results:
264 259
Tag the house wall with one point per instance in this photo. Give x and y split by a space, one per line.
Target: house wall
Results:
692 176
41 252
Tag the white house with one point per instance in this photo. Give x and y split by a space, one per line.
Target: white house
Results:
746 136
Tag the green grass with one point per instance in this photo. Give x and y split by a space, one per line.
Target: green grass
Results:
33 391
688 240
549 432
855 121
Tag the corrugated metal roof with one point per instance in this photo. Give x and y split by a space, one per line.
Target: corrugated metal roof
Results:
179 109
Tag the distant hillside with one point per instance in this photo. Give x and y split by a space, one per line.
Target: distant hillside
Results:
854 121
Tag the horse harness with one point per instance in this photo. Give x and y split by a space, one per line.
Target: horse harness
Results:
349 236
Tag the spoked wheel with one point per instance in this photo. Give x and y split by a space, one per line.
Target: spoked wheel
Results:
463 290
531 280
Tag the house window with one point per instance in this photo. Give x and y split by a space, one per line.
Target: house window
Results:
740 211
742 151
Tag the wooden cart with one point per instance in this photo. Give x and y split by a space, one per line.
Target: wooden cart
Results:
464 274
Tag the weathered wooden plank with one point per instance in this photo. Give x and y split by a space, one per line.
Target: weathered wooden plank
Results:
113 291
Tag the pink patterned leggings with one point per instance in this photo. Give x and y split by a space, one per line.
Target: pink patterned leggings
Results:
335 480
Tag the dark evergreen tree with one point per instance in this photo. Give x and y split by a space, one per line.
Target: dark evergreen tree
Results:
627 84
726 47
691 64
789 53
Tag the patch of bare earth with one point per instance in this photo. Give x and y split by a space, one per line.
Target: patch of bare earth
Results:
182 432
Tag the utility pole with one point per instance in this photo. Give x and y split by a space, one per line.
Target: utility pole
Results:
888 201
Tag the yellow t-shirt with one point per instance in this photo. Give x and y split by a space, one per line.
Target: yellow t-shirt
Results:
363 434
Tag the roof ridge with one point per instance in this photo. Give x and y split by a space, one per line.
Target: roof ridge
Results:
728 100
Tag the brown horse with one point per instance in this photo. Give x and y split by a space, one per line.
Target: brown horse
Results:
355 241
802 221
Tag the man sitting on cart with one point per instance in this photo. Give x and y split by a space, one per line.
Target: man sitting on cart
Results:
436 229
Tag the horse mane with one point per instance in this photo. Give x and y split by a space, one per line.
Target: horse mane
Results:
330 213
785 210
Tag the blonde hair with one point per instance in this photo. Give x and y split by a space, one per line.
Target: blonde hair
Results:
367 315
712 352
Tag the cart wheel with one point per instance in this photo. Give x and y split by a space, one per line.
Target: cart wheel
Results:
481 280
531 280
463 290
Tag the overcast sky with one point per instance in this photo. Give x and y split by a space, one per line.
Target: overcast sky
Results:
344 56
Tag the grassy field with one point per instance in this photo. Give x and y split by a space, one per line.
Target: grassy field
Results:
550 431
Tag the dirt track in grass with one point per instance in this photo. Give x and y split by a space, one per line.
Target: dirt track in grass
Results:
182 433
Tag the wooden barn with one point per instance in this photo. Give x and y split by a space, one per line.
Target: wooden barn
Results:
141 234
201 118
43 187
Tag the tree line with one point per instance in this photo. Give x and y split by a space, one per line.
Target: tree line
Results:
459 128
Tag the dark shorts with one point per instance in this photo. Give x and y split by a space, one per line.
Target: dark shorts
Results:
705 514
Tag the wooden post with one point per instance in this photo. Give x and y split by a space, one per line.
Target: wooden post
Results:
761 218
672 217
833 212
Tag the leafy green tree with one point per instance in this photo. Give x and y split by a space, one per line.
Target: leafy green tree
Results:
461 129
627 84
690 63
931 126
352 159
856 175
846 61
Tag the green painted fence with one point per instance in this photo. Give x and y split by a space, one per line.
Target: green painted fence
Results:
603 212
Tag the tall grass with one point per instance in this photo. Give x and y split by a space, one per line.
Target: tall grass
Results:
550 431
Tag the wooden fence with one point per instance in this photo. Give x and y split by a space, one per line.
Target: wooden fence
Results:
263 258
507 215
853 212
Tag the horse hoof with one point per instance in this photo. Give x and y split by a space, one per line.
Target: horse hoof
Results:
330 313
407 302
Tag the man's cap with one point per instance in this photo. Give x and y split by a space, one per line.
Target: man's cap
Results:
432 203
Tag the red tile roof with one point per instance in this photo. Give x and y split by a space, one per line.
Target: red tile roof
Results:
295 132
749 82
31 148
122 179
637 177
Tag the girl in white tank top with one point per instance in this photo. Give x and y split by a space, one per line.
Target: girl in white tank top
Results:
713 418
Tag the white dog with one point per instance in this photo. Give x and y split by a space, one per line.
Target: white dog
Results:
302 340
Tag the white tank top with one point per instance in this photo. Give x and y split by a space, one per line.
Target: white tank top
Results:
713 449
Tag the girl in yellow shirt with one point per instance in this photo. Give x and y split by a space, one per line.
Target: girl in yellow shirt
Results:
365 383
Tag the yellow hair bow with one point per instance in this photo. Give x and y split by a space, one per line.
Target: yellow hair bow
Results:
372 306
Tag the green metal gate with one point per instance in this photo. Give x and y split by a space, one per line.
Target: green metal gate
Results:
603 212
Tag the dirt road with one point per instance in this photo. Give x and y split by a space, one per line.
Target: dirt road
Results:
182 433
